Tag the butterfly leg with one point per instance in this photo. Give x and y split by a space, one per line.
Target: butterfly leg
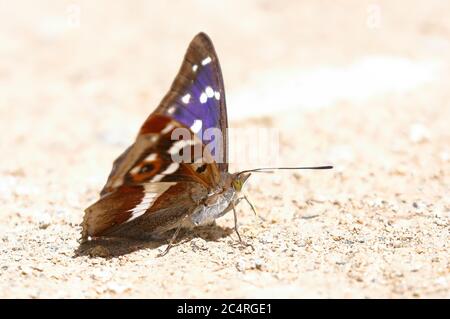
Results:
251 205
235 224
172 240
236 229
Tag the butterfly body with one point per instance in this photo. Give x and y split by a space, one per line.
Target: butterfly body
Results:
197 206
216 204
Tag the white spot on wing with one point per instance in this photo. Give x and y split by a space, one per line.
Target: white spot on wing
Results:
154 138
197 126
209 91
185 99
117 183
206 61
152 192
172 168
169 127
151 157
203 98
135 170
171 109
142 207
157 178
217 95
194 67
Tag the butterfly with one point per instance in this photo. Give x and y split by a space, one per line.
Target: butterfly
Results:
148 193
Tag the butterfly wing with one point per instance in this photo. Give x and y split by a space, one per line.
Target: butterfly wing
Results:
146 187
141 210
146 190
197 96
150 158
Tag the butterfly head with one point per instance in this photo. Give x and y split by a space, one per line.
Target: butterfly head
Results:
239 181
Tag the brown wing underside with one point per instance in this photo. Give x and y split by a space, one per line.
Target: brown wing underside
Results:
141 210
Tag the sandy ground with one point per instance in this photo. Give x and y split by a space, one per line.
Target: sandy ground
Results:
77 80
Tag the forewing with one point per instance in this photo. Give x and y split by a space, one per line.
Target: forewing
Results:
197 96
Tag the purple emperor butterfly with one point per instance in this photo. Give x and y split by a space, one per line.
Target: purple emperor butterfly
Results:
148 193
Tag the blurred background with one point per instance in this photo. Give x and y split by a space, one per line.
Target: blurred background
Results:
359 84
77 70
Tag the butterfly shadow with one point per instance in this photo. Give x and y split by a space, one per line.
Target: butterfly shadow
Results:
111 247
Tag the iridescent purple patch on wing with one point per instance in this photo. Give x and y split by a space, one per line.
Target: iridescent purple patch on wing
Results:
199 107
196 98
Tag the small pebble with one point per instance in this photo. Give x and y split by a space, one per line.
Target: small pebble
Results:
376 203
26 270
319 198
418 133
241 265
117 288
199 244
259 263
44 221
102 275
266 239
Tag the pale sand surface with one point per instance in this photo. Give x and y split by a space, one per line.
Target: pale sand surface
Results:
72 98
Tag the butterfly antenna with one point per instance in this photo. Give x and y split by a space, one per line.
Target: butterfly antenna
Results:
271 169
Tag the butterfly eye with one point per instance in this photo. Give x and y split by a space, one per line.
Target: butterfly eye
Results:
237 185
